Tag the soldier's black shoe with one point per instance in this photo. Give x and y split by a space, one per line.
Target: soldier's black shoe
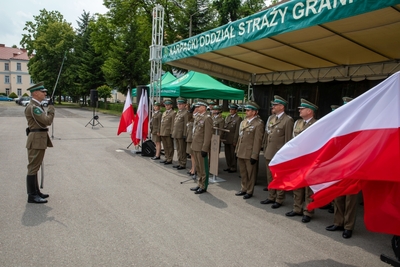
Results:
276 205
163 161
334 228
181 168
200 191
167 162
225 170
195 188
231 171
36 199
306 219
247 196
347 233
267 201
292 214
175 166
240 193
43 195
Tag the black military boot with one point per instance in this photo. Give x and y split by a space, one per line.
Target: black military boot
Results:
38 190
33 196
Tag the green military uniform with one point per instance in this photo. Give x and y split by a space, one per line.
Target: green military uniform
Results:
155 124
167 124
230 139
248 149
279 131
345 208
302 196
189 133
202 133
37 142
179 133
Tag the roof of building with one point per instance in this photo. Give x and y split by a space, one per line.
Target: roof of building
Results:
13 53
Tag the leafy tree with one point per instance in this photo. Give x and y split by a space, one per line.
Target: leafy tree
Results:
104 92
49 37
12 95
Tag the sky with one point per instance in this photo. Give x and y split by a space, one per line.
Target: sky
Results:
14 15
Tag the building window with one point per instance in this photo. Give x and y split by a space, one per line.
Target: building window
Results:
19 90
32 81
18 66
19 79
6 66
7 91
6 79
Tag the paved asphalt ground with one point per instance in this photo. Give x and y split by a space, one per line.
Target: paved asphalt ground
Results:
111 207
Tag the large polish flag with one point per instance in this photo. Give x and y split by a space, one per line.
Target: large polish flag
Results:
354 148
141 121
126 121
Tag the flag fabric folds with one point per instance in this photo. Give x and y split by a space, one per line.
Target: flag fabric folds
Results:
354 148
141 121
126 121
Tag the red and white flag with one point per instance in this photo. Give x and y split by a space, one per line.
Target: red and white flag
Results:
126 121
141 121
354 148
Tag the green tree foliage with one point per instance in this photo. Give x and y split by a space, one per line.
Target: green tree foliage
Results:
12 95
231 10
49 37
104 92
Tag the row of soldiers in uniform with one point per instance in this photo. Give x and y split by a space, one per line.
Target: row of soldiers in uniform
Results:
192 131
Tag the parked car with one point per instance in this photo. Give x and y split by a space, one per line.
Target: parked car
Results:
23 98
25 101
5 98
45 102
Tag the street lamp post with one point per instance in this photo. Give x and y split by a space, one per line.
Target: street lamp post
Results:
191 18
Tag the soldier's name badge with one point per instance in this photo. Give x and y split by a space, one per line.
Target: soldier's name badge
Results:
37 111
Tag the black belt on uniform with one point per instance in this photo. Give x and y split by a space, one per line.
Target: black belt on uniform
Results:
39 130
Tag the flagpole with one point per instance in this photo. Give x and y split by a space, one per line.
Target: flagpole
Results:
54 89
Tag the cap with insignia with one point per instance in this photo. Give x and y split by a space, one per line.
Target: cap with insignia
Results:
181 100
37 87
233 106
212 102
201 102
308 104
346 99
279 100
157 104
252 106
216 107
333 107
167 101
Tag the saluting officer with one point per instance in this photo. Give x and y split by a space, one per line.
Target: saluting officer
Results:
38 139
251 133
179 132
345 208
232 123
303 195
202 132
155 127
167 124
279 131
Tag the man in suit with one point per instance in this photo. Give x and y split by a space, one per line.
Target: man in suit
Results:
167 124
179 133
279 130
202 132
155 125
232 123
248 148
302 196
345 208
38 139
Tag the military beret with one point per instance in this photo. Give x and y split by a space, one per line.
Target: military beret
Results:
307 104
212 102
279 100
233 106
346 99
181 100
157 104
167 101
252 106
216 107
37 87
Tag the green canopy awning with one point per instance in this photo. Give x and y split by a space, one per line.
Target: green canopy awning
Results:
166 78
199 85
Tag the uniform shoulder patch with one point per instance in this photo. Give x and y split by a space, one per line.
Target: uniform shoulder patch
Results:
37 111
